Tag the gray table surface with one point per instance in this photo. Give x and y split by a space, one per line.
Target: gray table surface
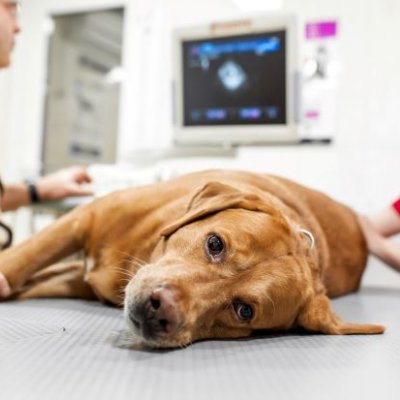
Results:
62 349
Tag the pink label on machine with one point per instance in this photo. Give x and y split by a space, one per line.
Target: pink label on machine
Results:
316 30
312 114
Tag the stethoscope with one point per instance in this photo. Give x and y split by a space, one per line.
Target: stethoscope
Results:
7 230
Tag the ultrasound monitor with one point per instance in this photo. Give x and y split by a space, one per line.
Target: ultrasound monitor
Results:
235 82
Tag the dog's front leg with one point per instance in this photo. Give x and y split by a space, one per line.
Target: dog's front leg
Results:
59 240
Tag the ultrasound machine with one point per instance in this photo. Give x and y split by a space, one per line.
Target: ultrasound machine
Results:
235 82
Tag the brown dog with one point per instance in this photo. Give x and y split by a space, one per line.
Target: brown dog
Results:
216 254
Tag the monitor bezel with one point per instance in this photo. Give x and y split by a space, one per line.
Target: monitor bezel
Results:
228 135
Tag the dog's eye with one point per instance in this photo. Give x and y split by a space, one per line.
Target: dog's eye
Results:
215 245
243 311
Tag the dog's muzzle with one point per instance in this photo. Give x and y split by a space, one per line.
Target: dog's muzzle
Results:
156 315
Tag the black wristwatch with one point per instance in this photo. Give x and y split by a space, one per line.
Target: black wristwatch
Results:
33 193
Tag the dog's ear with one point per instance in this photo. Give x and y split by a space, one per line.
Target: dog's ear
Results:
317 316
214 197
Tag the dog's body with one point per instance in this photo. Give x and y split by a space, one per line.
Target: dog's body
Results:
210 254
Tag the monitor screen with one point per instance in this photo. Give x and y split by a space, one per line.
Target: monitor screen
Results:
235 80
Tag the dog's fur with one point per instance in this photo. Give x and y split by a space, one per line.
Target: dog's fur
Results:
149 246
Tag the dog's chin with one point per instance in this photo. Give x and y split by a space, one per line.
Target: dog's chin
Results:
127 339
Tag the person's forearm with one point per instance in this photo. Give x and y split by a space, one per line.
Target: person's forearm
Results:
392 254
380 246
386 222
15 195
388 251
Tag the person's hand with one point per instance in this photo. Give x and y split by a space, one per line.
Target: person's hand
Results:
73 181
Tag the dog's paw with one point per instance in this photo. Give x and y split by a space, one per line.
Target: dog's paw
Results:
5 289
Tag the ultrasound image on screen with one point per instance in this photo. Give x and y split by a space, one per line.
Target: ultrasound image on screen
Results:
238 80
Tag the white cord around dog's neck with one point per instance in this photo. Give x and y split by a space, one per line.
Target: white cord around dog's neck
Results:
309 235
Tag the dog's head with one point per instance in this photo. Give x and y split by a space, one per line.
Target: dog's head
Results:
232 264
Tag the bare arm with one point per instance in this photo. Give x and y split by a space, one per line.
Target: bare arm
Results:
386 222
15 196
379 245
63 183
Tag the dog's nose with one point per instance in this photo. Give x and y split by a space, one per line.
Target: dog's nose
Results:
158 315
167 313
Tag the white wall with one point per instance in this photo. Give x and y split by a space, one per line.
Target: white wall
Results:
356 168
359 168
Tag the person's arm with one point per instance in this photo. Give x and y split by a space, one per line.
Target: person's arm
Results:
15 196
387 221
63 183
380 246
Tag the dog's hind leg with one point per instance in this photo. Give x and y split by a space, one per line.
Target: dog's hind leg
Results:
61 239
59 280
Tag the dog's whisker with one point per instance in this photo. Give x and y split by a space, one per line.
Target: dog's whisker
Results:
272 302
122 270
123 264
185 345
131 258
125 282
125 274
138 260
121 303
128 258
125 279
